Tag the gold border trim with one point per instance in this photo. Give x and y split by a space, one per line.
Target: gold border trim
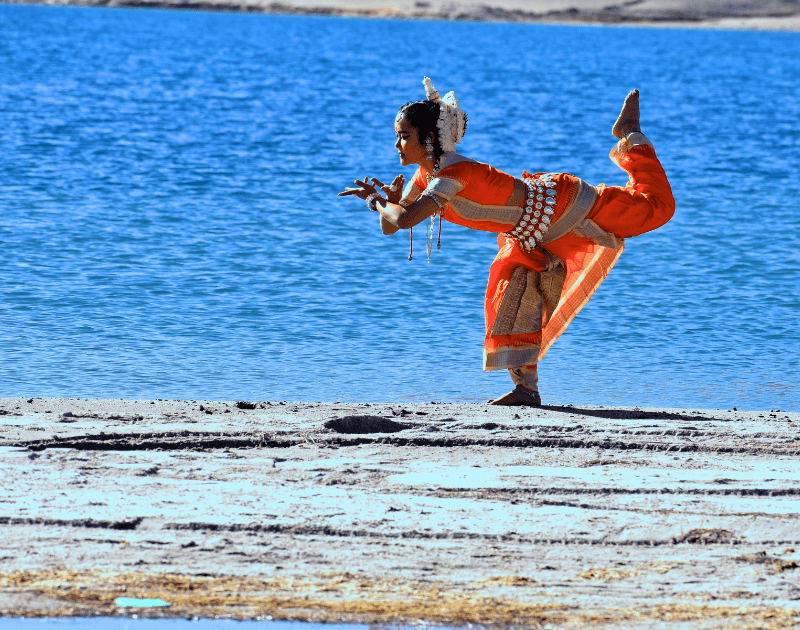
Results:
574 214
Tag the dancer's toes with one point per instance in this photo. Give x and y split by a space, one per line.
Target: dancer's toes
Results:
628 119
518 396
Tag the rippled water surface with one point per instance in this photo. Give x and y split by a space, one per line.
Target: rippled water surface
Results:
170 226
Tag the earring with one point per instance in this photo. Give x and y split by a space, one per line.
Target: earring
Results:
429 148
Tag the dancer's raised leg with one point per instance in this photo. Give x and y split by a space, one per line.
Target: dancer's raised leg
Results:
646 203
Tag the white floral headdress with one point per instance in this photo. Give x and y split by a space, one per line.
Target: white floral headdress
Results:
452 121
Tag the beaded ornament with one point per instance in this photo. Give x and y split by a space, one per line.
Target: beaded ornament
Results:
451 125
429 229
372 200
539 207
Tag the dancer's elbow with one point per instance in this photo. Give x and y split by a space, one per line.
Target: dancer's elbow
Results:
387 227
404 222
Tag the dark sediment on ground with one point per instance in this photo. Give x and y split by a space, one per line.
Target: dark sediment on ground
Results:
395 513
735 14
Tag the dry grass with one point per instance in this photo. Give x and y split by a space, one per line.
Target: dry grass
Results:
508 580
345 597
711 536
762 558
342 597
599 573
660 567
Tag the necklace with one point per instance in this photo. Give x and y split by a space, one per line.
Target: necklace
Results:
429 228
432 174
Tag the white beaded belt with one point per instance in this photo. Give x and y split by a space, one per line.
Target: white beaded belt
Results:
539 205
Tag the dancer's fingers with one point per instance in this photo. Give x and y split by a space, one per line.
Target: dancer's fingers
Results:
366 187
358 192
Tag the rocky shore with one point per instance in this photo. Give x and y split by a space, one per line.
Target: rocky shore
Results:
434 513
730 14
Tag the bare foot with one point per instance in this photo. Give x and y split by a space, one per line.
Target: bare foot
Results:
628 119
517 397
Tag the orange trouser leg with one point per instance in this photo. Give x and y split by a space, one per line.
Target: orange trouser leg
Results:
645 204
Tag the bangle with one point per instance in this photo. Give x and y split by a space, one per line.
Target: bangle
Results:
372 200
436 200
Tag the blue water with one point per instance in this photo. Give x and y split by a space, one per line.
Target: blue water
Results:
170 226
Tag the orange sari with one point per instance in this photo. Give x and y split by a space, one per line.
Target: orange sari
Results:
531 297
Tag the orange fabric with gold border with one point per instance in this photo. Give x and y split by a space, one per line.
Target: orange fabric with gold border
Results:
644 204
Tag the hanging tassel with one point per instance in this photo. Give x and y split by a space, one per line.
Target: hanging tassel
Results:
439 240
429 237
410 242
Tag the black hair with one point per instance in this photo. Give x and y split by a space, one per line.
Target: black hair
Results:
423 116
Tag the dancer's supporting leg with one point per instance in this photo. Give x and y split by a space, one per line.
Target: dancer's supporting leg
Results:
526 392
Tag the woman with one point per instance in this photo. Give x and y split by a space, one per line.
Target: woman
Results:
558 236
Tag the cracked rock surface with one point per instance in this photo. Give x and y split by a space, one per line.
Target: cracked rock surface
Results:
392 513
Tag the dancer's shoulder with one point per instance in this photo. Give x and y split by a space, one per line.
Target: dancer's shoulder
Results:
455 161
460 167
451 166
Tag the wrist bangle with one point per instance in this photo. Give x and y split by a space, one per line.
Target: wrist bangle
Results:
372 201
436 200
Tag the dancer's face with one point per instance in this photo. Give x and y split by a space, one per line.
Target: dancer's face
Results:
408 145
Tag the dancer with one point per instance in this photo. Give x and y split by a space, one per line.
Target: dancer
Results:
558 236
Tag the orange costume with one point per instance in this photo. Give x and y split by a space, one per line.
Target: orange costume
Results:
535 292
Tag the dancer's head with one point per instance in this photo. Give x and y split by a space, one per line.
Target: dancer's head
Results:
436 126
414 124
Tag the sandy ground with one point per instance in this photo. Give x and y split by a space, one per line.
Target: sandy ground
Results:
402 513
727 14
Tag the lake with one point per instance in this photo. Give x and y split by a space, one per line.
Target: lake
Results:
170 225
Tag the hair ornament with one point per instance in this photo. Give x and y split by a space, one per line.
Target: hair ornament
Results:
452 121
430 92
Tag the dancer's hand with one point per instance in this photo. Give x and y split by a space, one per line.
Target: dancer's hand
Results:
394 193
364 190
